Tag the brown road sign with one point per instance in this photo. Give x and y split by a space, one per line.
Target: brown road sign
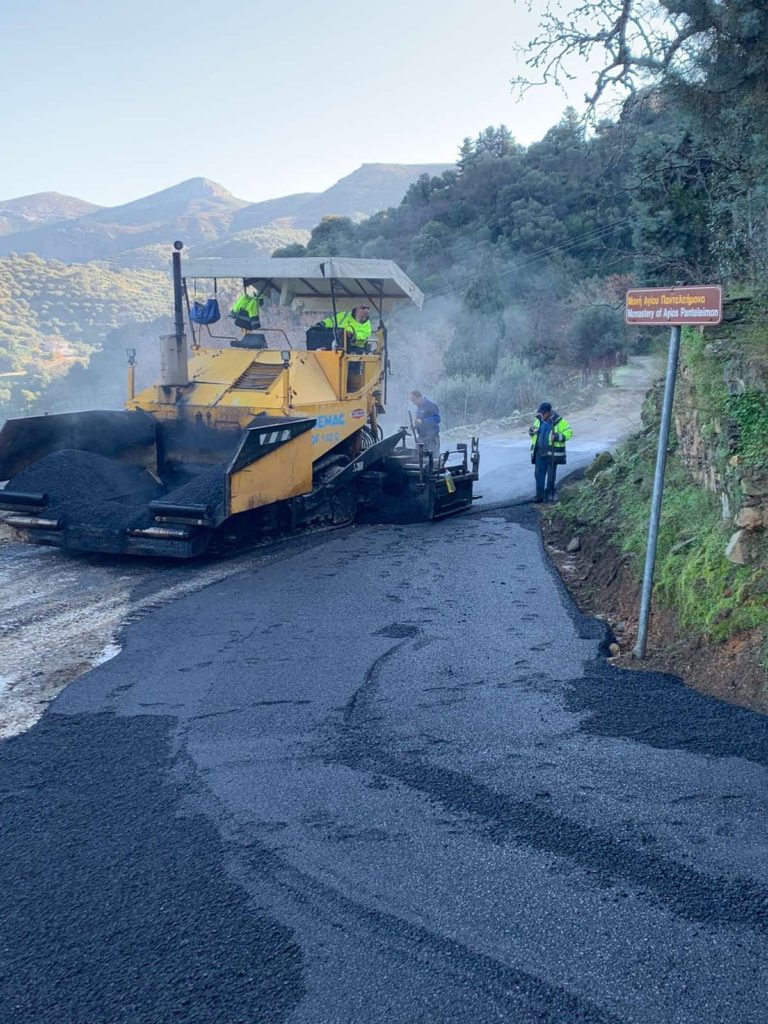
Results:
670 307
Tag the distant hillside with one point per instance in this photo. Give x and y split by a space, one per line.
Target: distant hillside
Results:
367 190
255 242
52 315
40 208
207 218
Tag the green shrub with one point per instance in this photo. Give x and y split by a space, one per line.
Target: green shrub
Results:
515 386
750 410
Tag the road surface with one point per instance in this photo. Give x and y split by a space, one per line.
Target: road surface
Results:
385 777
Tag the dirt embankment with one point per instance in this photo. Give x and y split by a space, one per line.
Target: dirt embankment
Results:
598 577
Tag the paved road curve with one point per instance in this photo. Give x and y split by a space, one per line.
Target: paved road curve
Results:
384 779
60 615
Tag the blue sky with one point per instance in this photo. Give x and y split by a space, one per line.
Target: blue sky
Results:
112 100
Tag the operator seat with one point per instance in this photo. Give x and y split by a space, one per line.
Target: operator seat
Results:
254 340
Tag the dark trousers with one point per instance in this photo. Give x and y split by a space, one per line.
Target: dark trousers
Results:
545 471
431 443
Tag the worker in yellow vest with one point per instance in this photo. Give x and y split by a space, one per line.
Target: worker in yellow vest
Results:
357 324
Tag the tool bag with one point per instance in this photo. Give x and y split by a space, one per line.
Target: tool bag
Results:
205 312
319 337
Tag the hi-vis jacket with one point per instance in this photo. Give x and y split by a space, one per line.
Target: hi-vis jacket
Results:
562 428
346 322
245 312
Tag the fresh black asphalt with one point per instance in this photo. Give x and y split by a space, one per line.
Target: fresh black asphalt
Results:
388 778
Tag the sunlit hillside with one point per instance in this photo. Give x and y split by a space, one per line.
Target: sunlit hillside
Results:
53 314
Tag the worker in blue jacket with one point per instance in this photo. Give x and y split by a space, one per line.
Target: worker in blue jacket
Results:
427 423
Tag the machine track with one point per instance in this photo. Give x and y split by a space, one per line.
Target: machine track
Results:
220 547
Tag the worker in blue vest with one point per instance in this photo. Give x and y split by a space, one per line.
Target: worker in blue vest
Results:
427 423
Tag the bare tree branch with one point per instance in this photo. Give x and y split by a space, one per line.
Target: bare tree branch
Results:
643 41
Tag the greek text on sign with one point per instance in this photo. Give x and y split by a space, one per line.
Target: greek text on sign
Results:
665 307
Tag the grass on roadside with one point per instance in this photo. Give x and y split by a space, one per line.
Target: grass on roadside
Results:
712 597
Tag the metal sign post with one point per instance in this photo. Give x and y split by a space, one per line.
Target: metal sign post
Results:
658 493
658 307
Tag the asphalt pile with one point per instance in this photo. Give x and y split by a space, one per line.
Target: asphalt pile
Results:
207 488
85 488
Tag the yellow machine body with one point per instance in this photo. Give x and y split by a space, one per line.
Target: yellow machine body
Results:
284 473
229 387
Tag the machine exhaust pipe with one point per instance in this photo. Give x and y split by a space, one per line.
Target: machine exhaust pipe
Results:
174 364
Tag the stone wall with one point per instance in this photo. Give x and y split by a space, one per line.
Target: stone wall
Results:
723 381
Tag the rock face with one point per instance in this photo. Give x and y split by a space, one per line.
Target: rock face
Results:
749 518
737 549
598 464
755 488
710 434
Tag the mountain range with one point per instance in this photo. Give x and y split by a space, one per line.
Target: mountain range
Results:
204 214
17 215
